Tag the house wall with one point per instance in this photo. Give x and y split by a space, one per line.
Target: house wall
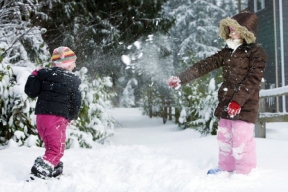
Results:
285 44
266 38
285 35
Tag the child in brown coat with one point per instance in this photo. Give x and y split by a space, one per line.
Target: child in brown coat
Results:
243 63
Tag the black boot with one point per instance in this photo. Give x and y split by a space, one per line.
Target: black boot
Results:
58 170
41 168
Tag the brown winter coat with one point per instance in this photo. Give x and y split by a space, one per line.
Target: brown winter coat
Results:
242 69
242 74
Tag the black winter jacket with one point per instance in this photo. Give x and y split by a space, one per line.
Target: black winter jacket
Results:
57 90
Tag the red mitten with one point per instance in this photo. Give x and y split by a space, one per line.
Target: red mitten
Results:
233 109
174 82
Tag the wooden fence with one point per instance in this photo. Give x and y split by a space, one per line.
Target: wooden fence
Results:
265 117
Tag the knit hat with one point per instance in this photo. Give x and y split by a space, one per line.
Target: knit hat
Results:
245 23
63 57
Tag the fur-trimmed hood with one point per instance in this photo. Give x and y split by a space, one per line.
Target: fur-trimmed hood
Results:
245 23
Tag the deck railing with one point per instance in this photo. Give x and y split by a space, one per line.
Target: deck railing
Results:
268 117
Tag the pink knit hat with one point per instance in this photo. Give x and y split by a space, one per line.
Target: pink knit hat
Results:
63 57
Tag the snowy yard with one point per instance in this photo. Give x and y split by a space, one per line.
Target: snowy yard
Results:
146 156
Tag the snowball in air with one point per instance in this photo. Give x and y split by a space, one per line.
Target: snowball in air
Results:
126 60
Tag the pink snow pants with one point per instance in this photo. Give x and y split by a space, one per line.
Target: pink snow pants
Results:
52 130
237 148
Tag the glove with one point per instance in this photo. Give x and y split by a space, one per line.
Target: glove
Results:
35 72
174 82
233 109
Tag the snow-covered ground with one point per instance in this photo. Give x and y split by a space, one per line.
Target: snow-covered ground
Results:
145 155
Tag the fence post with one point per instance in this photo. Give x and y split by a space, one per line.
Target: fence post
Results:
260 127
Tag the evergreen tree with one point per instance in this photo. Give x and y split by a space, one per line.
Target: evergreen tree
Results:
94 122
151 62
197 25
21 48
195 34
95 28
21 42
99 31
197 104
128 98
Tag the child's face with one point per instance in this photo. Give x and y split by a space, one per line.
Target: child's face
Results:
234 34
72 66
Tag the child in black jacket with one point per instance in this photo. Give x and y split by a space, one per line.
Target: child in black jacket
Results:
58 103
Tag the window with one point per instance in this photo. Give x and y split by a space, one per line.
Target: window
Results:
259 5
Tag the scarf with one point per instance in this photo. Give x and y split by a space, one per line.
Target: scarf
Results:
233 43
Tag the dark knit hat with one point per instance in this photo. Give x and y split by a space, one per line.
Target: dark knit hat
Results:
63 57
245 23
